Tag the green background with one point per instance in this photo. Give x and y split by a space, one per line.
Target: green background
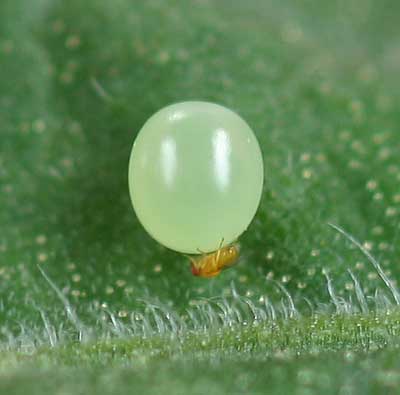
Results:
318 82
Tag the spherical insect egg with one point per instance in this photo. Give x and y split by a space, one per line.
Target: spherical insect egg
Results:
196 176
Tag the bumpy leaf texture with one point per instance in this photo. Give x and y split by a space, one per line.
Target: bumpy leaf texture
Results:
318 82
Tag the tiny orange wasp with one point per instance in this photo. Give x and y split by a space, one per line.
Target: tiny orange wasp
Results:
210 265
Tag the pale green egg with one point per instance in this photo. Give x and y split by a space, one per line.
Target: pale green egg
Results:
195 176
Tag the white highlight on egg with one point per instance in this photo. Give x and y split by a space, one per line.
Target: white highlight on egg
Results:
221 154
168 160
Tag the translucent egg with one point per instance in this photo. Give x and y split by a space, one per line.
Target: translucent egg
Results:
195 176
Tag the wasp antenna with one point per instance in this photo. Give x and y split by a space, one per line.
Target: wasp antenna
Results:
201 252
219 250
191 259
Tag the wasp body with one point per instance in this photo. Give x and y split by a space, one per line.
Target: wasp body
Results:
210 265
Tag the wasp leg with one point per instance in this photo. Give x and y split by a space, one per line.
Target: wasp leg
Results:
191 259
216 259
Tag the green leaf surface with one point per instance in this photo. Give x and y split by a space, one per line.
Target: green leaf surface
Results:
318 83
